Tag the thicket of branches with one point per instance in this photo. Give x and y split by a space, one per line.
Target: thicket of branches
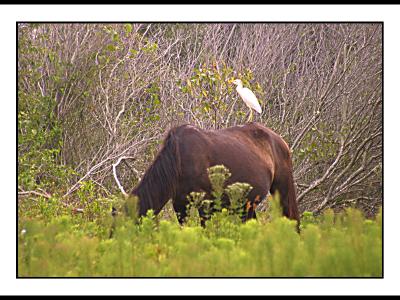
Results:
91 96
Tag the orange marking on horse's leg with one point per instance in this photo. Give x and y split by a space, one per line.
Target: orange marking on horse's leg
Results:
248 205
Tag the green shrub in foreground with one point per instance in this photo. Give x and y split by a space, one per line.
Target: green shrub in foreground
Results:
337 245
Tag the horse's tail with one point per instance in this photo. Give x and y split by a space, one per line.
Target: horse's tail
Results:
284 183
161 179
292 207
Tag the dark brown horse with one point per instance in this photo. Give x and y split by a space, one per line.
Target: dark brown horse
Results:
253 153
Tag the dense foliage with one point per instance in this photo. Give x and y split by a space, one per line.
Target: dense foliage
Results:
338 245
94 243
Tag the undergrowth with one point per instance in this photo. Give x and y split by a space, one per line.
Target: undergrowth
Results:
56 241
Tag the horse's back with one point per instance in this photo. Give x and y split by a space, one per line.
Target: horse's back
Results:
238 148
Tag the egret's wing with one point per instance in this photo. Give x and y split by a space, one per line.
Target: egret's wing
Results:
250 99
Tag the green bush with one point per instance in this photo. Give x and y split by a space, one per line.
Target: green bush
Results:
349 246
57 241
210 87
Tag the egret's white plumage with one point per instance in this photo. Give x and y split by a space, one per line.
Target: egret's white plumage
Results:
248 97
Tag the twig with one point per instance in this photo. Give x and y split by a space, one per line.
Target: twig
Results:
43 194
326 174
116 177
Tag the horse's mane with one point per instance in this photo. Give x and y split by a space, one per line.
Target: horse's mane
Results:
160 181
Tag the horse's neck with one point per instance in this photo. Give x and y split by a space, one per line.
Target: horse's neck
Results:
161 179
151 195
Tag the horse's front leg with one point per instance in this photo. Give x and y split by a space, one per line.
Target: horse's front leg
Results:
180 204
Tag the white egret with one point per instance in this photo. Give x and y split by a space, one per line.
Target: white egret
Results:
248 97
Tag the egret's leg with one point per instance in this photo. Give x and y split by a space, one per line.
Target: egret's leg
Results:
250 116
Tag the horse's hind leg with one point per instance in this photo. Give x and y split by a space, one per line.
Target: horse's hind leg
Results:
249 211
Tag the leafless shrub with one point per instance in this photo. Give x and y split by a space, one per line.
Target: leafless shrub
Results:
117 93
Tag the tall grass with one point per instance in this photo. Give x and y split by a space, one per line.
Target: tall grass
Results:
57 243
344 244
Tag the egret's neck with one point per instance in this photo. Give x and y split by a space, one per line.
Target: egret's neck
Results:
239 87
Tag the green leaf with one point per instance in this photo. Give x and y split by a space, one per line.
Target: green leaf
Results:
133 53
115 37
128 28
110 47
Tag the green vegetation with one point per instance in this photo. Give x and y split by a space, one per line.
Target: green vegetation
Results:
78 245
332 245
211 86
